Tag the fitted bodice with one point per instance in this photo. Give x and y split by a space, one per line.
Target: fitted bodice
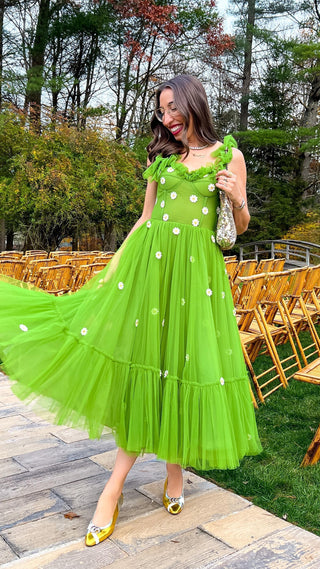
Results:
188 197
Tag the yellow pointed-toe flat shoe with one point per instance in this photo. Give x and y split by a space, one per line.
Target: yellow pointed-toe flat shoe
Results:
96 534
172 505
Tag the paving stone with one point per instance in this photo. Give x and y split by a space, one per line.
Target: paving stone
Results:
160 526
245 527
28 508
79 493
189 550
68 435
6 553
291 548
9 466
19 445
145 472
47 532
192 484
84 492
49 477
74 555
64 453
107 459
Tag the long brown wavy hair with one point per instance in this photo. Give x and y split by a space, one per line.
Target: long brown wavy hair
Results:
191 100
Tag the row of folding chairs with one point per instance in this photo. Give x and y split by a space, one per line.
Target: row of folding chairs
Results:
236 269
272 309
52 274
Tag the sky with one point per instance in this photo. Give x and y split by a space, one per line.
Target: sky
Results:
223 6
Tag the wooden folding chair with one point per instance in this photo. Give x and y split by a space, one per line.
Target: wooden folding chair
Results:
278 265
61 256
310 298
244 269
11 254
253 330
34 256
77 262
269 336
57 279
297 314
231 267
313 453
34 268
35 252
265 266
12 268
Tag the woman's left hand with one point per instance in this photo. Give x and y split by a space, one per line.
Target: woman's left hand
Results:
227 181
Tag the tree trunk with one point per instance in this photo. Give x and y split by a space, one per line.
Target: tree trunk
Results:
2 235
309 120
244 112
35 73
1 48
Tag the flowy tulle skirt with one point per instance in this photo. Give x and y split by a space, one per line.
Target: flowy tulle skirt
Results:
149 347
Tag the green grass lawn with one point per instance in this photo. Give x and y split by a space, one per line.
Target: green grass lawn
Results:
274 480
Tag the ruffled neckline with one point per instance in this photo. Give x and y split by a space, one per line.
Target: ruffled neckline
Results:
223 155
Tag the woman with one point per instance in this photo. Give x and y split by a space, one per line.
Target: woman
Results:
150 347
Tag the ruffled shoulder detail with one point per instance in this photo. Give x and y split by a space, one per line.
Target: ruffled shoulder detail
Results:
155 170
224 152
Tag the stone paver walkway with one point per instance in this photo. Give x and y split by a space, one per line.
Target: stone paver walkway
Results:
47 472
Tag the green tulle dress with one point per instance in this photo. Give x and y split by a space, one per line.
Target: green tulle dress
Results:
150 346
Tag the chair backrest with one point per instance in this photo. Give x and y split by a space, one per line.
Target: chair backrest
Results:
12 268
312 281
79 261
231 268
251 292
278 264
61 256
246 268
295 285
33 268
57 279
275 286
11 254
265 266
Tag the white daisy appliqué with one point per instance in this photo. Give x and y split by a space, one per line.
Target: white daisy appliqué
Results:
154 311
84 331
165 373
187 357
163 323
163 203
193 198
211 187
195 222
137 323
213 239
24 328
234 312
162 180
173 195
183 301
209 292
170 169
223 294
148 224
165 217
229 352
191 259
120 285
221 380
158 254
205 211
176 230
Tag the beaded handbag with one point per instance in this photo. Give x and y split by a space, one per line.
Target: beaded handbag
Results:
226 228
